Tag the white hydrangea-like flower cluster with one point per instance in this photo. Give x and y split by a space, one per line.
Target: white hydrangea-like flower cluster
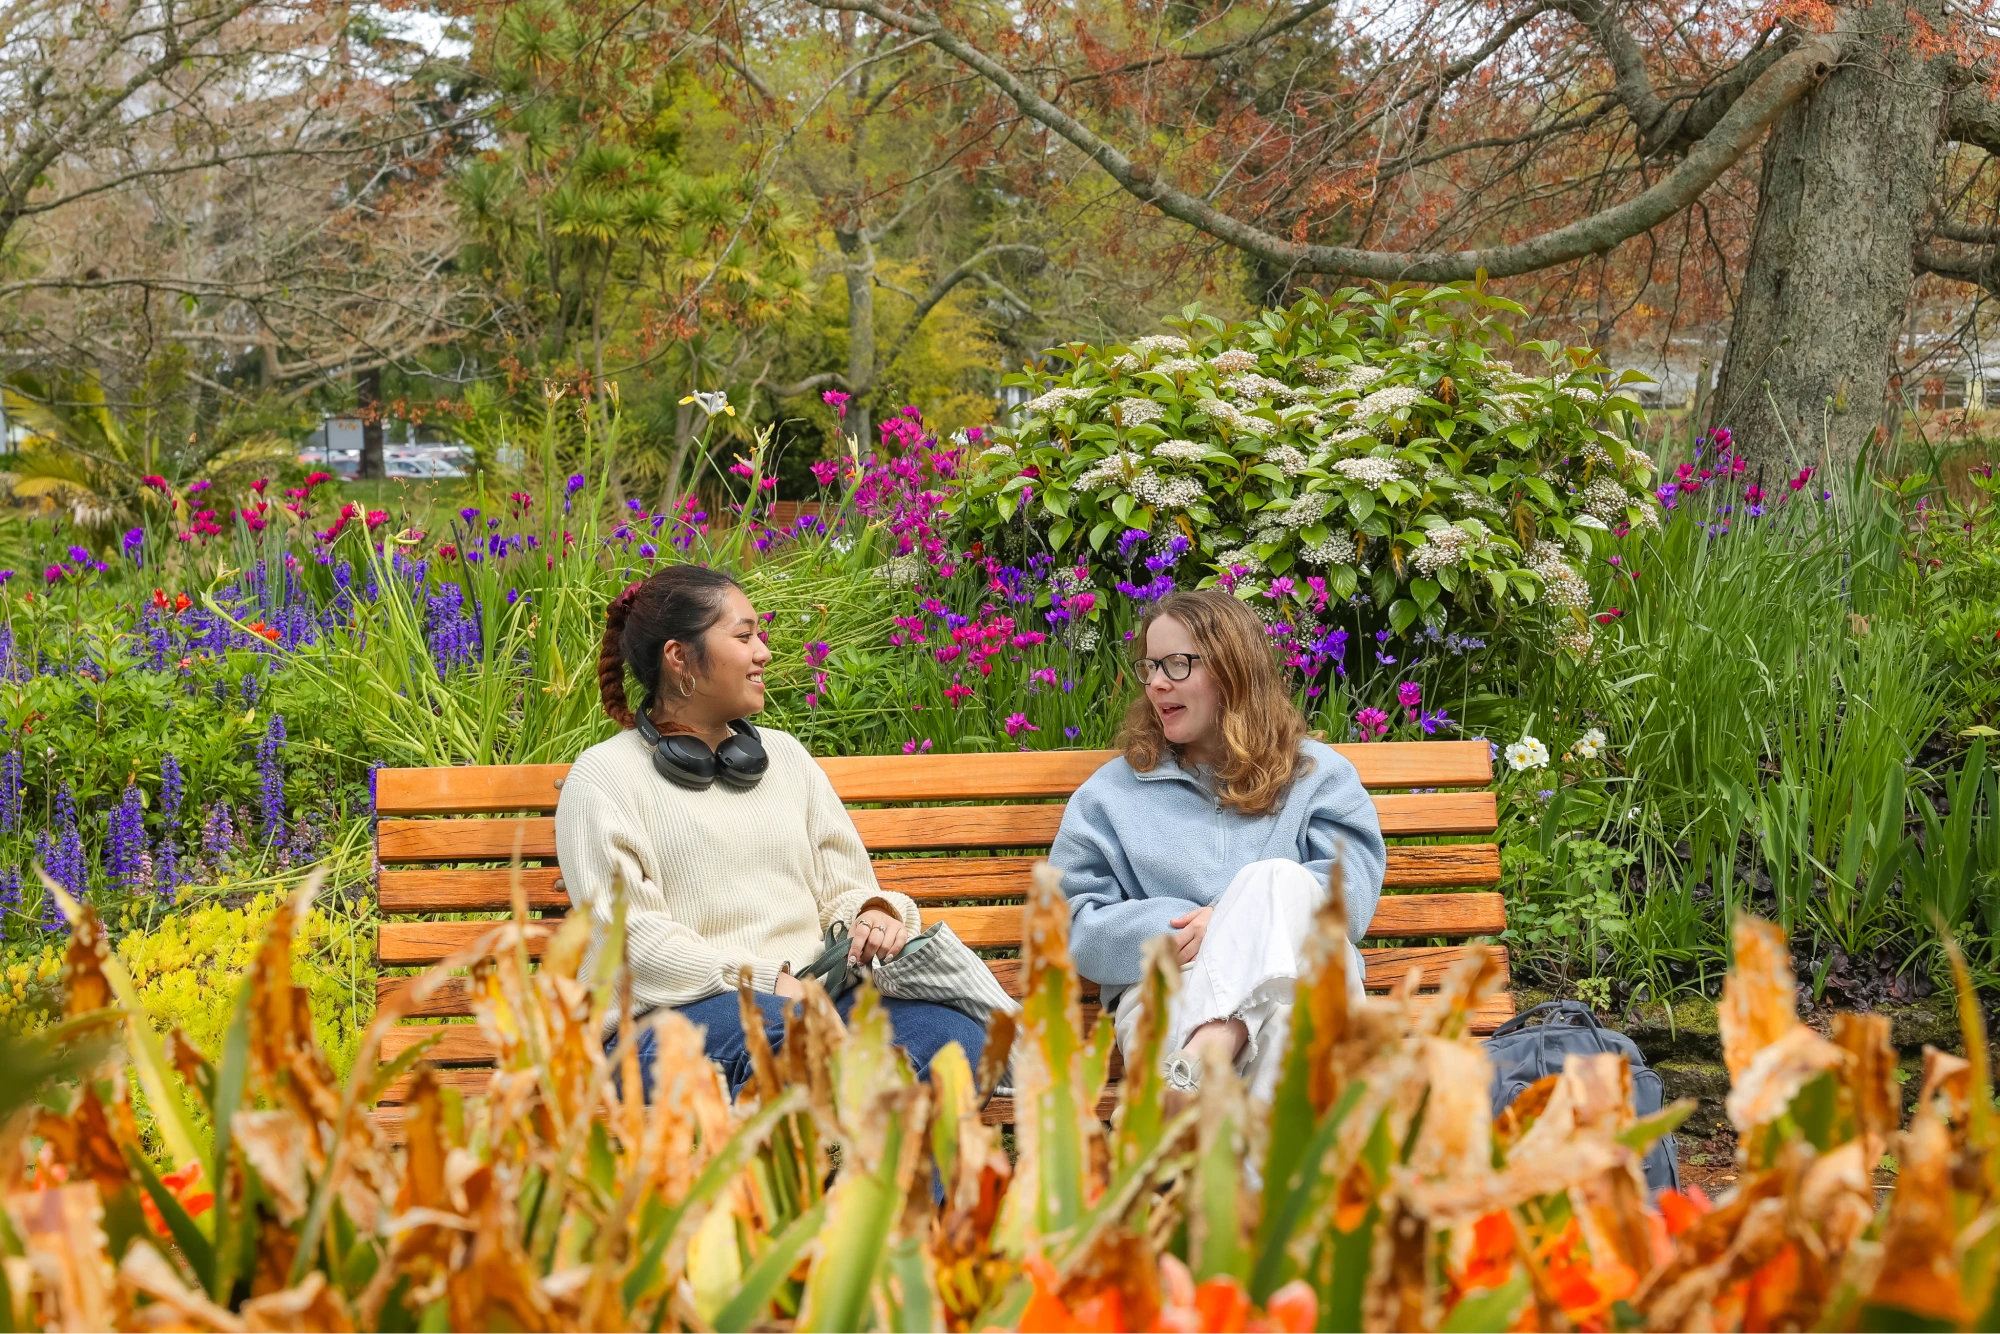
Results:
1444 547
1288 460
1111 470
1478 500
1358 378
902 571
1584 394
1138 411
1233 417
1605 499
1562 586
1158 343
1337 549
1234 361
1304 512
1052 399
1574 640
1241 556
1003 450
1347 436
1263 386
1368 470
1163 492
1180 366
1639 458
1181 451
1395 397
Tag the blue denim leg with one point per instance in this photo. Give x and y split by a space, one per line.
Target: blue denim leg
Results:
922 1028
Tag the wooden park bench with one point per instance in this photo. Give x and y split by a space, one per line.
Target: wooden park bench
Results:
974 855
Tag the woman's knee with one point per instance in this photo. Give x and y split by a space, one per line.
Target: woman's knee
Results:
1274 878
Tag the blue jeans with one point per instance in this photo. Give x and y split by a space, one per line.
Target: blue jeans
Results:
921 1029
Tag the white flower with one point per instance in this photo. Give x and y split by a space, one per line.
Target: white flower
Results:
1159 343
1111 470
1184 451
1287 460
1574 640
1137 411
1233 361
1590 745
902 570
1358 378
1228 414
1054 398
1337 549
1392 399
1000 451
1444 546
1172 493
1240 556
713 404
1304 512
1527 753
1347 436
1368 470
1605 499
1180 366
1583 394
1263 386
1562 586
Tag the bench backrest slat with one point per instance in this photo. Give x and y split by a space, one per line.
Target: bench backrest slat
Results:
500 789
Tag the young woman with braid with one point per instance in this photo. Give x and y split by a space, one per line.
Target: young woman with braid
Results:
732 846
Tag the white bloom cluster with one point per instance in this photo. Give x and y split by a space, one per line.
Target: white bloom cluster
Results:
1368 470
1003 450
1640 459
1240 556
1304 512
1605 499
1396 396
1262 386
1052 399
1232 416
1562 585
1158 343
1234 361
1574 640
1584 394
1111 470
1337 549
1417 345
1473 499
1590 745
1352 433
1289 461
1132 412
1180 366
1511 409
1162 492
1181 451
1527 753
901 571
1358 378
1444 547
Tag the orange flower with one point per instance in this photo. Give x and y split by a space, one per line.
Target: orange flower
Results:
1491 1262
1681 1207
182 1184
268 632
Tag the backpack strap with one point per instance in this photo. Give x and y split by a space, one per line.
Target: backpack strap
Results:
1569 1009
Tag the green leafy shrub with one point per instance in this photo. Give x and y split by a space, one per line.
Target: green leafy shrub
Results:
1373 439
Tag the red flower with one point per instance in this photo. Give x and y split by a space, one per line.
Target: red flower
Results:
182 1184
1608 615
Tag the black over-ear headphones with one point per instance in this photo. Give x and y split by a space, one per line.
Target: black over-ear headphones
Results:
686 761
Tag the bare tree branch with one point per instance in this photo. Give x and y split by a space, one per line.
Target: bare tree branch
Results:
1736 131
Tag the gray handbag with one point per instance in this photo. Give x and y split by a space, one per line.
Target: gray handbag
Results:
934 966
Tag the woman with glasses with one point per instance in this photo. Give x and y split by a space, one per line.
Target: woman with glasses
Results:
1219 824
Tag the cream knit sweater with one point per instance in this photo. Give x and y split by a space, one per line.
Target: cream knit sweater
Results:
714 880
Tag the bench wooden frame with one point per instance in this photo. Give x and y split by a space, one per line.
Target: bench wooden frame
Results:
970 865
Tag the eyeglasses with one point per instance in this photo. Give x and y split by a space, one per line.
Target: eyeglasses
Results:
1175 665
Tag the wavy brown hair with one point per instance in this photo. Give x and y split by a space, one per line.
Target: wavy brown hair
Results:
1261 728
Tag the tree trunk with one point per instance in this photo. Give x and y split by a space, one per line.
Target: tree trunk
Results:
860 252
1848 172
368 394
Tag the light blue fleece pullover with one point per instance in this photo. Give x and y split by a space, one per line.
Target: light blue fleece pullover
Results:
1139 849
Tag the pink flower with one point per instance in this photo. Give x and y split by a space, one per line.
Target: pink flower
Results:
1373 724
196 488
836 400
154 480
1608 615
817 653
958 693
1281 587
376 518
1411 696
812 700
913 747
1018 723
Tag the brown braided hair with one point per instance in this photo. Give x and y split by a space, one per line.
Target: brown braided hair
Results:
680 603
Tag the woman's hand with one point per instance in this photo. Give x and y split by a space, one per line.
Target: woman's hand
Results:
1190 929
877 937
789 987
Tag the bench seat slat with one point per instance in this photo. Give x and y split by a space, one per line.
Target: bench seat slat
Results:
489 789
1385 967
920 829
925 879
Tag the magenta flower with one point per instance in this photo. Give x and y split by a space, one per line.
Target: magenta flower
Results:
1373 724
914 747
958 692
836 400
1018 723
817 653
1410 695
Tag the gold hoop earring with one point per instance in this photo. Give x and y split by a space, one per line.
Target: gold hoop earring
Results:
687 686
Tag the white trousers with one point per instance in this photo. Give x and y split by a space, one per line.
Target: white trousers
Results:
1248 968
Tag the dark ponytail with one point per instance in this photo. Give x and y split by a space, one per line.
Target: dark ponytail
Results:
678 604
